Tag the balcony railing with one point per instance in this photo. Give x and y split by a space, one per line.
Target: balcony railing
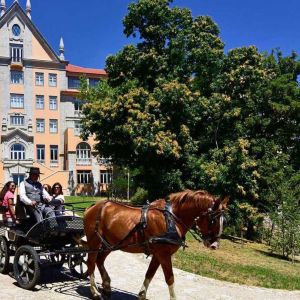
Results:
78 113
84 161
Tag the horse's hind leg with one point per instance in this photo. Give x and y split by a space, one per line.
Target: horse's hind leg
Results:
91 269
153 266
104 275
166 264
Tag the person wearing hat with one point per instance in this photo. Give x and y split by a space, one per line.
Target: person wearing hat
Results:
34 196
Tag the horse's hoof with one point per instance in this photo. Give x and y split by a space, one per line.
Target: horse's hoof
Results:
97 297
142 296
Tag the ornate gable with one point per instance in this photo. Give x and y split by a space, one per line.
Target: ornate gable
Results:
29 35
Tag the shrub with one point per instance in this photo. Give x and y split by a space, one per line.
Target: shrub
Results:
140 197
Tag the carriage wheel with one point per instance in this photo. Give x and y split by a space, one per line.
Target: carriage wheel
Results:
4 255
78 265
26 267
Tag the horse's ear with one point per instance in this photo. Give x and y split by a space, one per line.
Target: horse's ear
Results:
224 202
221 203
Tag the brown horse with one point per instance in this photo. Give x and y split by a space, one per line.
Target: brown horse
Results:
108 224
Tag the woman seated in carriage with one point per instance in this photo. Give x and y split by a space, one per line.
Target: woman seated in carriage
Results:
7 203
58 199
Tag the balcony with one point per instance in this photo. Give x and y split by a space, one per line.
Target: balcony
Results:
78 113
83 161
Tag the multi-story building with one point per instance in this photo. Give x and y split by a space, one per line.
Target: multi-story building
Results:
40 113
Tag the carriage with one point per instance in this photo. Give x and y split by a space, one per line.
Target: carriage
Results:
51 242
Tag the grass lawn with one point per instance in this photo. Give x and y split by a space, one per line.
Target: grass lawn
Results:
81 202
248 263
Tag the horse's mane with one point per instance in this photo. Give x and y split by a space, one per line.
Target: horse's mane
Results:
202 198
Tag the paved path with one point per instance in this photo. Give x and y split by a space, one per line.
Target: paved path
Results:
127 273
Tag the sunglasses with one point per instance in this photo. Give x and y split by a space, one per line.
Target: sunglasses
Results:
12 186
57 187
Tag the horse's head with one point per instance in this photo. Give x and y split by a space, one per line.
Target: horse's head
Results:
210 223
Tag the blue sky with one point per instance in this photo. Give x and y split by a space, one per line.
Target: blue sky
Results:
92 29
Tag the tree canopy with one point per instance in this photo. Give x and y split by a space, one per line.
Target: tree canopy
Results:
188 115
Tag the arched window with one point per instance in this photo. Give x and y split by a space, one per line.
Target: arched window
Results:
17 152
83 151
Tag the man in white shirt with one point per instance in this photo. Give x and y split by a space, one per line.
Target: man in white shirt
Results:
34 196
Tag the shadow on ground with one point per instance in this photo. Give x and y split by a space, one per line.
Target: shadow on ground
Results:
278 256
60 280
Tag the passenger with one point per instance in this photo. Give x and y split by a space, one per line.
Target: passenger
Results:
58 199
7 199
35 197
48 188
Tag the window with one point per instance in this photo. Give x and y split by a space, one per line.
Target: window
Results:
78 106
18 178
93 82
53 153
53 102
84 177
83 151
74 83
53 126
40 153
16 77
39 102
105 177
16 53
16 30
16 101
52 79
17 120
40 125
17 152
77 127
39 79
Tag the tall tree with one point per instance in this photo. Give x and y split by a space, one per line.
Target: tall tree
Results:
148 114
186 115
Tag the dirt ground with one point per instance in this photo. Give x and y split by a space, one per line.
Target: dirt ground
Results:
127 273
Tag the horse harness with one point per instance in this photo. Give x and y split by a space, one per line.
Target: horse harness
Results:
171 236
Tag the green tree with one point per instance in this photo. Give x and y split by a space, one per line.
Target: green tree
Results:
186 115
286 217
148 114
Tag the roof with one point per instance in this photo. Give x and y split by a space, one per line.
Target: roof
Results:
75 69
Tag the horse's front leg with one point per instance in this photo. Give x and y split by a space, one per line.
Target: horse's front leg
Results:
153 266
91 269
166 264
104 275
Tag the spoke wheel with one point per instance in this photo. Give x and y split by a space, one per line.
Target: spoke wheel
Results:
78 265
26 267
4 255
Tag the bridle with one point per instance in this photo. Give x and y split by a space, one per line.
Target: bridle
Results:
212 217
196 231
